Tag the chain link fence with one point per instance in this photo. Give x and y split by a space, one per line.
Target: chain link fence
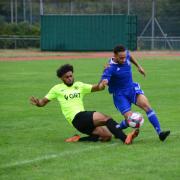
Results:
164 35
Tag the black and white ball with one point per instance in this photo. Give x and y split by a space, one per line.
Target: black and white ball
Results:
135 120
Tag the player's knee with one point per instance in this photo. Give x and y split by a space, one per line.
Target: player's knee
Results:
106 118
101 121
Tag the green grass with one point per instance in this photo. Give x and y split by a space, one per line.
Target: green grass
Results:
32 139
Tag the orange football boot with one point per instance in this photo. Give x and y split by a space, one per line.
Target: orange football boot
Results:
74 138
131 136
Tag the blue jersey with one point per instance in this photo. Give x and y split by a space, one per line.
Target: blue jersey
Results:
121 85
118 75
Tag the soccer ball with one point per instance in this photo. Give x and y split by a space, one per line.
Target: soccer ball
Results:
135 120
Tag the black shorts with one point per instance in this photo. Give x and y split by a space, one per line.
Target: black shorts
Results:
83 122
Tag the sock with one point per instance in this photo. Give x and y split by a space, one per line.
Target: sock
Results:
92 138
113 127
154 120
123 124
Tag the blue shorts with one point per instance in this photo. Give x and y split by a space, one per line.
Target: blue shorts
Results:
124 98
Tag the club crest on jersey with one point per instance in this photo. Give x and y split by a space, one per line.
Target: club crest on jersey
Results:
72 96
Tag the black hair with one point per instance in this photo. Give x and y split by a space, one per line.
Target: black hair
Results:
64 69
119 48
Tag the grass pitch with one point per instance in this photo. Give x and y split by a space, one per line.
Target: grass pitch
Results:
32 139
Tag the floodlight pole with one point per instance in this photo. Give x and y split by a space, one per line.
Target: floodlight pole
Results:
41 7
30 9
112 7
24 10
71 7
129 7
152 24
12 11
16 12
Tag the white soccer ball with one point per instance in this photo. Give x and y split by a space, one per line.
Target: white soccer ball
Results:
135 120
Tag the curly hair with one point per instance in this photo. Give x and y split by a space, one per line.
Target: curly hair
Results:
64 69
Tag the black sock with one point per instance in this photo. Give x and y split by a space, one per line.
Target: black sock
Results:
118 133
92 138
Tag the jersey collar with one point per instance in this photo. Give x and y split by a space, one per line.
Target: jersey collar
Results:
111 61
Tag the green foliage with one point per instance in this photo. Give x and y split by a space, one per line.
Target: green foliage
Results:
20 29
2 21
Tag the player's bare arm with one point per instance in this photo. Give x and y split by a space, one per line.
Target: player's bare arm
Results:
39 102
140 69
100 86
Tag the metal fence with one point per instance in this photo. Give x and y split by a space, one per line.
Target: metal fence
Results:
15 41
160 43
158 20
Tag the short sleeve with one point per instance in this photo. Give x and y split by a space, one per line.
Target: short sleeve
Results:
86 88
51 94
107 74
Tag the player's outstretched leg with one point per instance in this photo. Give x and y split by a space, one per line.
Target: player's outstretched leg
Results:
100 119
113 128
118 133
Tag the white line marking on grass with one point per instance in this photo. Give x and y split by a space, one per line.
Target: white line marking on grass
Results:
53 156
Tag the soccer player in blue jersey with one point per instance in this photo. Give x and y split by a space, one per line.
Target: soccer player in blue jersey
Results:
118 77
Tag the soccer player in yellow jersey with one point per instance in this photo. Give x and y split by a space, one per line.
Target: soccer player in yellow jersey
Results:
70 96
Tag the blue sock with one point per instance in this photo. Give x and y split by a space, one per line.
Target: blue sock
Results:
154 120
123 125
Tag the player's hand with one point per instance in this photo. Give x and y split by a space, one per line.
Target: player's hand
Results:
103 84
141 70
34 101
